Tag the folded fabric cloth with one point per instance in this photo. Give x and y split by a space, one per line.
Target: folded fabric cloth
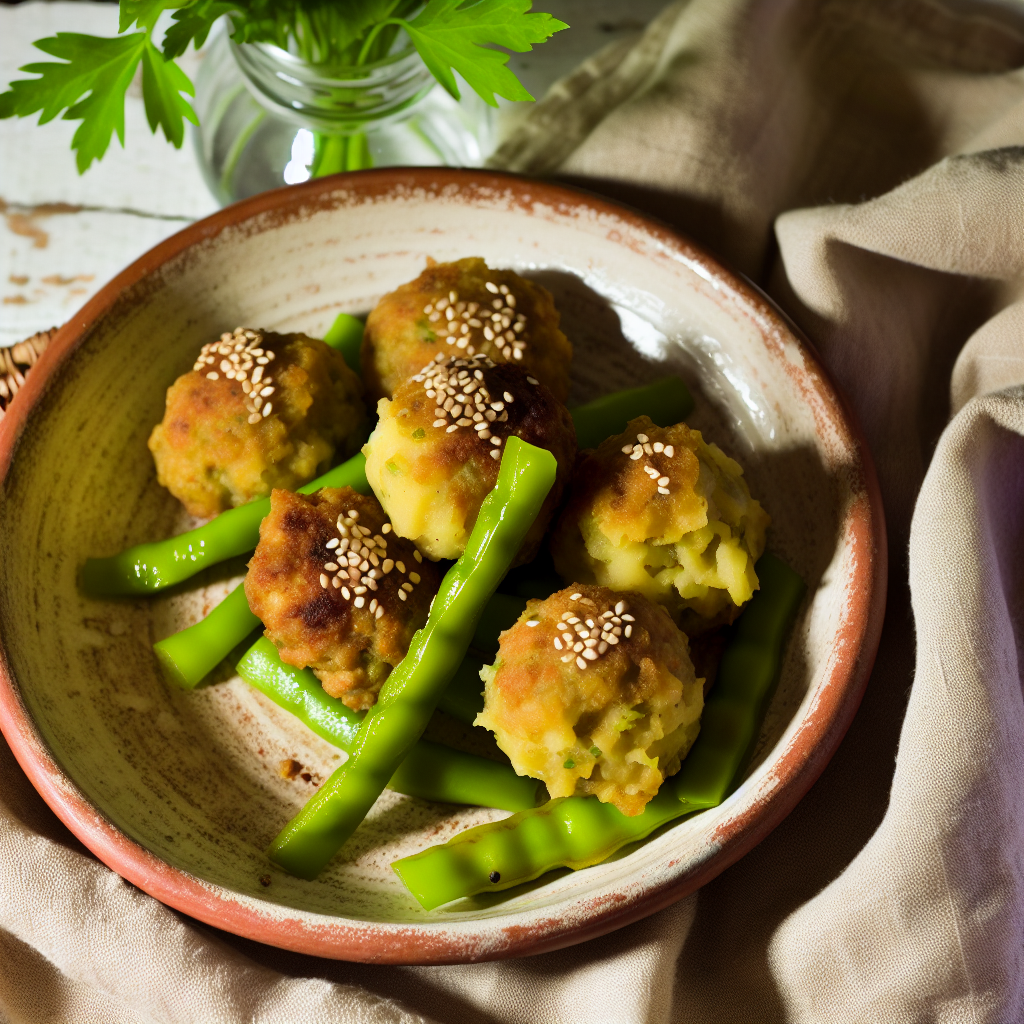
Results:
884 144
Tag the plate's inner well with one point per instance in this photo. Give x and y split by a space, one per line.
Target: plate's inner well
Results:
194 777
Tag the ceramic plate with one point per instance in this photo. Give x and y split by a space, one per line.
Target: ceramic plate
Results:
180 792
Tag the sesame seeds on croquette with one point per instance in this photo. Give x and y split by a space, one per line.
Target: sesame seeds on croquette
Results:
643 447
462 399
468 325
243 353
587 638
358 559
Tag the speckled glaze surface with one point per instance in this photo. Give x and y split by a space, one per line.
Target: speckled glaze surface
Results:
180 792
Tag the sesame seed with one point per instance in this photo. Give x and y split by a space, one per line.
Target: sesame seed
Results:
453 296
658 446
620 607
590 655
212 375
664 490
491 287
629 632
452 428
626 449
533 380
387 566
575 597
359 602
323 581
496 440
336 582
636 455
642 438
602 647
345 593
566 658
495 454
417 556
373 605
330 566
415 577
401 566
401 594
581 663
628 618
386 528
380 611
669 451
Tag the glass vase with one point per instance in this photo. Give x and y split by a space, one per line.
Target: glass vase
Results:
269 118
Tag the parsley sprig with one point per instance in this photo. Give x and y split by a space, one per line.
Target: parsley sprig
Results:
91 83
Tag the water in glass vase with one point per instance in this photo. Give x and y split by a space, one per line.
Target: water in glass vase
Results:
270 118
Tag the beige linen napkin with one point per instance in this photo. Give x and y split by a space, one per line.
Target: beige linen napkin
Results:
883 140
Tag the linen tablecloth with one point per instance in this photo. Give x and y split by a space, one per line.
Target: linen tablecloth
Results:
864 161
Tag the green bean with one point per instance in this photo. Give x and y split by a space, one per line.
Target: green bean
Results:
147 568
408 698
431 771
346 335
666 401
189 655
576 832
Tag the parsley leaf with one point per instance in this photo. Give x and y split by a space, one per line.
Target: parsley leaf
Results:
452 34
101 67
163 82
91 88
193 24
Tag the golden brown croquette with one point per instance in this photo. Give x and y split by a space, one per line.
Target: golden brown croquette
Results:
465 308
594 692
436 450
660 511
257 411
337 591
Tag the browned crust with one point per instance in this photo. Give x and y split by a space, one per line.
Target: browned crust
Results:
350 648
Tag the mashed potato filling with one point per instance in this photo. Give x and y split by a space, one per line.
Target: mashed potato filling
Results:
593 692
661 511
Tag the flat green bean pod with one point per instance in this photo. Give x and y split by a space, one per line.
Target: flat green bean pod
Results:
576 832
409 696
431 771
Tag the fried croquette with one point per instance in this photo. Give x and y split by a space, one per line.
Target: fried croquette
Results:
465 309
660 511
337 591
257 411
436 450
593 692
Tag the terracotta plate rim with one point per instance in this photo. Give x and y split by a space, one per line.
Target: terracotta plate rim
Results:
447 940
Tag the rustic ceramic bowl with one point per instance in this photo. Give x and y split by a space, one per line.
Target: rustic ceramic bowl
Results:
180 792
